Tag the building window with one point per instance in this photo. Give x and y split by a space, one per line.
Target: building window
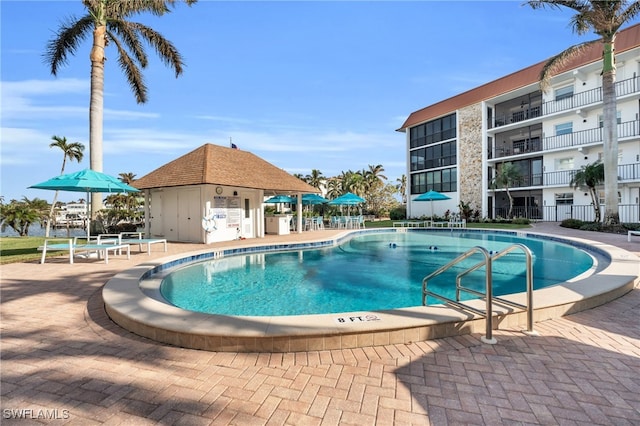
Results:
564 164
601 119
433 132
601 154
564 128
418 183
564 198
445 180
564 92
434 156
601 197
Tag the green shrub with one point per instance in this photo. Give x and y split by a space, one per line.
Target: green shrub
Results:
521 221
398 213
591 226
631 226
571 223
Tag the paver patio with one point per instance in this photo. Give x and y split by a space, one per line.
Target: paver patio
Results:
63 358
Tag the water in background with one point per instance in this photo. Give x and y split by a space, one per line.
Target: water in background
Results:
37 231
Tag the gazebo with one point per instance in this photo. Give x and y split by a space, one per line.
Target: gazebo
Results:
212 194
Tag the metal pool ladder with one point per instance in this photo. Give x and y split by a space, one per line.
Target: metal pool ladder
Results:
489 258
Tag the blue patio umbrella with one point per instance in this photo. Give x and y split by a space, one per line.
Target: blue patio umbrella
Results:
281 199
348 199
86 180
432 196
313 199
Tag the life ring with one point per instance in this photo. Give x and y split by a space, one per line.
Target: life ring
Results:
209 223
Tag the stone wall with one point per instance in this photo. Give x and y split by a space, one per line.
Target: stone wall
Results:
470 155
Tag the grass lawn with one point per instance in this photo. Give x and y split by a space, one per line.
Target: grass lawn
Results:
24 249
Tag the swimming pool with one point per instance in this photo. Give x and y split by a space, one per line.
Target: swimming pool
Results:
133 301
368 272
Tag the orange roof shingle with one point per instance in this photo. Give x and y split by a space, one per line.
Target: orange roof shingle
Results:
218 165
626 39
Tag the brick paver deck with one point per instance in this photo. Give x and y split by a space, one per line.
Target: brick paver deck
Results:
65 362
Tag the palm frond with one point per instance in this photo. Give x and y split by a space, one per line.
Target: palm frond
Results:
165 49
559 61
128 34
70 34
132 72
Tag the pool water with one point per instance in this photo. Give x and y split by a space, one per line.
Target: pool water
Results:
366 273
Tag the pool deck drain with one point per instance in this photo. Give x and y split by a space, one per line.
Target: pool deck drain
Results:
128 305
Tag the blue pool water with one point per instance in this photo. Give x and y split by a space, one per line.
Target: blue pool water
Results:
366 273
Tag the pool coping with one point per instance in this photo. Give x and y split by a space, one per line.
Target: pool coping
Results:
127 304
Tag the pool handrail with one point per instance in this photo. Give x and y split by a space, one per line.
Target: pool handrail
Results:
488 295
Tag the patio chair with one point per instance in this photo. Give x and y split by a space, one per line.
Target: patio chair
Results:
136 238
73 247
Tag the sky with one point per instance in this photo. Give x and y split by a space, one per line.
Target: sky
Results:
304 85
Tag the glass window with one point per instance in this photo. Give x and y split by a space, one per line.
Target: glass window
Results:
434 131
601 118
417 159
601 197
564 92
564 128
418 185
564 198
564 163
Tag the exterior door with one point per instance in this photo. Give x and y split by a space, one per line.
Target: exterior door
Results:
247 219
156 225
189 215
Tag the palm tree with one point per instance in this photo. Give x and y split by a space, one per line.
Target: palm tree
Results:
107 21
127 177
334 187
353 182
72 151
590 176
374 176
605 19
401 186
19 215
315 179
506 177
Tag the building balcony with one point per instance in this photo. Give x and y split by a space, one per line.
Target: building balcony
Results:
562 178
629 129
526 108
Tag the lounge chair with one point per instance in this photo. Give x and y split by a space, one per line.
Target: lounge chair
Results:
73 247
136 238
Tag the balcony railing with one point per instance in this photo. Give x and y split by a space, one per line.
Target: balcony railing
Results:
581 99
628 129
584 137
626 173
629 213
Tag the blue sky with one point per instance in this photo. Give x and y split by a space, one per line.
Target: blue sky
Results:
304 85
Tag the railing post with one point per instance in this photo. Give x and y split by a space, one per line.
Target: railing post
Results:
488 338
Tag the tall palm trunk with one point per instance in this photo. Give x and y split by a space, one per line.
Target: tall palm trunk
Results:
596 202
510 214
96 109
610 135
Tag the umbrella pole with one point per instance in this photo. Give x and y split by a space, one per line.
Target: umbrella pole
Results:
88 217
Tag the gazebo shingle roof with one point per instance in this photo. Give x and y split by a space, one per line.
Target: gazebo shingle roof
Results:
218 165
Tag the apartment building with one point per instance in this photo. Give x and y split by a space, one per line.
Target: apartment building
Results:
456 146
